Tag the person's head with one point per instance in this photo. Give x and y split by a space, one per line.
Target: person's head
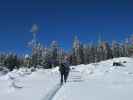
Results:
66 58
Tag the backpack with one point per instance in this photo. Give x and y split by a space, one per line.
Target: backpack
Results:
64 68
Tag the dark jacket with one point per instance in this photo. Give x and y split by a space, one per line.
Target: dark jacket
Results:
64 68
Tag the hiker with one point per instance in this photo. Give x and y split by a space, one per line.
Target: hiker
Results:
64 70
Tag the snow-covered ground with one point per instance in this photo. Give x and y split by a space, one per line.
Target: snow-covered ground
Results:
100 81
24 85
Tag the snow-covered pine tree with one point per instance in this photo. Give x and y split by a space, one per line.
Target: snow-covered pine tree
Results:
85 54
2 58
60 55
115 49
54 47
77 51
126 48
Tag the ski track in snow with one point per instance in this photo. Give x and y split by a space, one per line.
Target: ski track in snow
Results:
52 93
75 78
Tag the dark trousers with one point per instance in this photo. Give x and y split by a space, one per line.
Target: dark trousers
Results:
64 77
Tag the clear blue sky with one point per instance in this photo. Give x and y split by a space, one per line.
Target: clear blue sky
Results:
61 20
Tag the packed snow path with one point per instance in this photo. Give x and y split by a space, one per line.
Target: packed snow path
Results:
74 76
52 92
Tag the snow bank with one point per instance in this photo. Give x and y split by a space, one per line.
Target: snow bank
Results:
24 85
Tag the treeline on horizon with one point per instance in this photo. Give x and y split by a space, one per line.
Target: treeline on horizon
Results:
54 55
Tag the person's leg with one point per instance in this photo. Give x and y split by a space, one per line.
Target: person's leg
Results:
65 76
61 78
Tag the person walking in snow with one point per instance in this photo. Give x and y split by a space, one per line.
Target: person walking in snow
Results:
64 70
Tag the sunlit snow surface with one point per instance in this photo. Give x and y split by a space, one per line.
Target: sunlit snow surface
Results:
100 81
97 81
28 86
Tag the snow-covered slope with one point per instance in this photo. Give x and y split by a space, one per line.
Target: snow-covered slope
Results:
100 81
97 81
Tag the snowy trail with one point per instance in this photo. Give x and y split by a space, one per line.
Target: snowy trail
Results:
52 92
74 76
